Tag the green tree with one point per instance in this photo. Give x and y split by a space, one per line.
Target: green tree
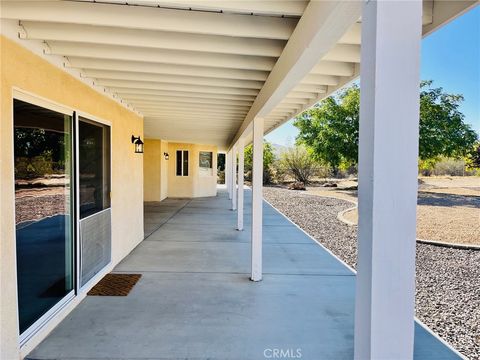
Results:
473 158
268 158
330 129
443 131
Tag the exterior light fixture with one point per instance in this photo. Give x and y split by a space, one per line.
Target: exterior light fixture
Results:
166 156
138 144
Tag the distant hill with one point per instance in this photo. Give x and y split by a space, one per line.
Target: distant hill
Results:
278 149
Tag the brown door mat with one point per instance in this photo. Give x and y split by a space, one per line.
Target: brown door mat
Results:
115 285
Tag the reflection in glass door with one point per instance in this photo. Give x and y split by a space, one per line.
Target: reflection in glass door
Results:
43 209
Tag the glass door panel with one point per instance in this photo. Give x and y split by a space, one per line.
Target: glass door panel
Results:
43 209
94 198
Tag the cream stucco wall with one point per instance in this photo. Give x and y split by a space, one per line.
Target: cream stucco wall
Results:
164 172
155 170
23 70
193 185
152 170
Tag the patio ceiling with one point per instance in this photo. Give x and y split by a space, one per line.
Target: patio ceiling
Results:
200 71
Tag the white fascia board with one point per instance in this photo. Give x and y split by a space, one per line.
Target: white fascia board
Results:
445 11
319 29
192 106
115 52
336 68
194 112
353 35
159 68
344 53
176 79
150 18
175 87
258 7
301 95
312 88
125 92
185 101
317 79
108 35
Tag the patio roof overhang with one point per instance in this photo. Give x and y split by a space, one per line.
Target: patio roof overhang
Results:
201 71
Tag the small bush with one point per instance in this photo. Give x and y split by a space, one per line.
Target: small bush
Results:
220 176
451 167
299 163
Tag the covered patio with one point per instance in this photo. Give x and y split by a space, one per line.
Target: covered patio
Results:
195 78
195 299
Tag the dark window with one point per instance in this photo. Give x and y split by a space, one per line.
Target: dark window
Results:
182 163
94 165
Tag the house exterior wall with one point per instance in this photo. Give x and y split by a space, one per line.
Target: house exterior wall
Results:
26 71
193 185
164 169
152 166
155 170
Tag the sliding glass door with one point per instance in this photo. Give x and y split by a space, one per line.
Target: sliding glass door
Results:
43 210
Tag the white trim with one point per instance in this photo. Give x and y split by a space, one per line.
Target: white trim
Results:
76 154
31 98
93 118
96 278
45 318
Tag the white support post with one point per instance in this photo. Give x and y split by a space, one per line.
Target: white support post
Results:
228 173
389 126
234 178
241 170
257 210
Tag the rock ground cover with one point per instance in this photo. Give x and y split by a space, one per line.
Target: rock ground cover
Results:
448 207
447 280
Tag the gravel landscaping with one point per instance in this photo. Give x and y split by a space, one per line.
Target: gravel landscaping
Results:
448 280
448 218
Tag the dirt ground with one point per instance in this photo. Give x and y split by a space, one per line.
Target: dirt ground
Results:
448 207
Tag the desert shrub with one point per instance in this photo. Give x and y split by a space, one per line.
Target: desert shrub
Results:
299 163
268 159
35 167
279 172
448 166
220 176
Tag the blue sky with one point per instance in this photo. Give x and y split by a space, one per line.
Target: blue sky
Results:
450 57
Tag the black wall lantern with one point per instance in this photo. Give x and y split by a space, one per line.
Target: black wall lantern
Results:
138 144
166 156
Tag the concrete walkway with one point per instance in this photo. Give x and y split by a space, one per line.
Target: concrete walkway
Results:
195 300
